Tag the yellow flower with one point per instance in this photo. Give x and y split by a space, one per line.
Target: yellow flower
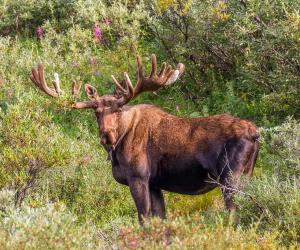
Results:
164 5
182 8
220 11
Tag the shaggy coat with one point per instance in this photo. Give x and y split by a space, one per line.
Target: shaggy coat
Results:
152 150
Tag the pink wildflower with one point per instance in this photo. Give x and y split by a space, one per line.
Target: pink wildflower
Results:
97 33
106 21
93 60
86 159
39 32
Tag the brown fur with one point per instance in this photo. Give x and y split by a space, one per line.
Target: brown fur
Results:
152 150
150 145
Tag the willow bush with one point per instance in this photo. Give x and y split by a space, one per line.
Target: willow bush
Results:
242 56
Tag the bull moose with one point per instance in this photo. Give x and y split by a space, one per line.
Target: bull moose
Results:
152 150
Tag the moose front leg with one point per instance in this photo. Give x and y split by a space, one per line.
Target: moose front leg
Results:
157 203
139 188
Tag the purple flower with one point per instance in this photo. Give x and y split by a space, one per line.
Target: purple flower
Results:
93 60
86 159
39 32
97 33
106 21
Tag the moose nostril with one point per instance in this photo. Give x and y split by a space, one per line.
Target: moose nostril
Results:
107 138
103 139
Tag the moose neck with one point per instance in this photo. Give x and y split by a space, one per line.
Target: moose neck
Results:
126 120
120 130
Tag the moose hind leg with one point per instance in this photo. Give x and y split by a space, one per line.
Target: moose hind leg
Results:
139 188
231 165
157 203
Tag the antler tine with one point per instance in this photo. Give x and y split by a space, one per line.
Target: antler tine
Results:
56 84
118 85
173 76
124 95
162 69
76 88
34 77
156 81
38 78
43 83
154 65
125 86
128 84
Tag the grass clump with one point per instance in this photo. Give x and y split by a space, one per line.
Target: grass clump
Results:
50 226
194 233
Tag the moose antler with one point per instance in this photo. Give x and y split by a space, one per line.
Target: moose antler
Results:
38 78
76 88
155 81
124 90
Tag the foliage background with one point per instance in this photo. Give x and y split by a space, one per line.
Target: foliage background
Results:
241 57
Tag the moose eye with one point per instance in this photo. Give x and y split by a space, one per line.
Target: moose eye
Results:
108 103
99 110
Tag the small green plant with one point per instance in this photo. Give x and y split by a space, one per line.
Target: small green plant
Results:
272 204
48 227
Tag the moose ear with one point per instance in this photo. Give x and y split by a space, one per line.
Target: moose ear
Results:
90 91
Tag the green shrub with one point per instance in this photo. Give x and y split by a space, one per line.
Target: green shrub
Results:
271 201
89 191
272 204
279 150
124 25
284 144
49 227
31 143
250 48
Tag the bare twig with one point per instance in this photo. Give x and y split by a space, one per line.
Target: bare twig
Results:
34 167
